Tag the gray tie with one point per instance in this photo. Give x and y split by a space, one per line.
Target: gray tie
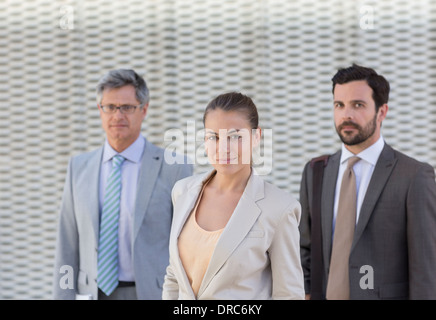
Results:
338 285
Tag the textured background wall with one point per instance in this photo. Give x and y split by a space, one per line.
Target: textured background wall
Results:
282 53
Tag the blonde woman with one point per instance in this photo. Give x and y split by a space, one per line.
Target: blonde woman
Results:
234 236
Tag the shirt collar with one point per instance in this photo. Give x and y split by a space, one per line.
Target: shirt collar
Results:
133 153
370 154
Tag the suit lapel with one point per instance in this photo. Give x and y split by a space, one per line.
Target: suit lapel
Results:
380 176
328 201
240 223
149 171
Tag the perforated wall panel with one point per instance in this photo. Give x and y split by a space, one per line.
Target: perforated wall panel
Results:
282 53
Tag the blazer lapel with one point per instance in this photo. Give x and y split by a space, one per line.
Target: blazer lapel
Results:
240 223
150 167
380 176
184 207
187 203
328 201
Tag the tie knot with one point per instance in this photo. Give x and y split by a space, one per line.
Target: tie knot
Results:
352 161
117 160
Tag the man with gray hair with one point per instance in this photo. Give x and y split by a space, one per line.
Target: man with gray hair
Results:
116 212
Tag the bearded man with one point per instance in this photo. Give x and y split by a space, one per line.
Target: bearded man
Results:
369 215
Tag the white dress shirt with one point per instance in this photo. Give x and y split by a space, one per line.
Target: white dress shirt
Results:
130 172
363 171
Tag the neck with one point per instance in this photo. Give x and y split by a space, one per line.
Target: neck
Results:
118 147
122 144
232 182
358 148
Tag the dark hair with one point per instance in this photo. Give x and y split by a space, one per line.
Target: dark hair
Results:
122 77
379 85
235 101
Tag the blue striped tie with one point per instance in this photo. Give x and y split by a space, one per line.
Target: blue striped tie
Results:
107 278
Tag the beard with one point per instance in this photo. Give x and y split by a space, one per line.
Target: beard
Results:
363 133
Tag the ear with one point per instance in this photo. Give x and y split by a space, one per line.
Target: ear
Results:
144 110
382 112
100 109
256 136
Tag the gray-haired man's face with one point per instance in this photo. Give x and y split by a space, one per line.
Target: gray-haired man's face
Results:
121 129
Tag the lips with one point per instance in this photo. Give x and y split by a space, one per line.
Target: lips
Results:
118 125
348 128
227 160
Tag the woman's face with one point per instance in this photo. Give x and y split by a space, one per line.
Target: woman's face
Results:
229 140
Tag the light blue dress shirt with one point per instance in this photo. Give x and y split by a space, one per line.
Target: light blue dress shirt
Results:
129 180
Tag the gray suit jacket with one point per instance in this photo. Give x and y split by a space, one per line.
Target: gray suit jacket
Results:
395 234
257 255
78 226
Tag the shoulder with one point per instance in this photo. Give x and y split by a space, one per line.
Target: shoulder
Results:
171 162
278 201
272 190
184 184
278 195
82 159
407 164
328 160
166 154
406 159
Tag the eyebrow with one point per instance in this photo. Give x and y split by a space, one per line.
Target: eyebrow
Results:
359 101
352 101
229 132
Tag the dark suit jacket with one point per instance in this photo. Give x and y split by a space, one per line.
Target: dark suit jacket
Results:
396 232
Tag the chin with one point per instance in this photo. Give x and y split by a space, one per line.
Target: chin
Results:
230 169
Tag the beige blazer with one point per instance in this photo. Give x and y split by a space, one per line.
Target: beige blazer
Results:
257 255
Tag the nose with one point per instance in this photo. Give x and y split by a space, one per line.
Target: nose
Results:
118 114
348 113
223 145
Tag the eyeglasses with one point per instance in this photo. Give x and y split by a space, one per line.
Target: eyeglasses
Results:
123 109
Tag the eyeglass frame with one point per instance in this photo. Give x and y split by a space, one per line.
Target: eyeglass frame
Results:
123 111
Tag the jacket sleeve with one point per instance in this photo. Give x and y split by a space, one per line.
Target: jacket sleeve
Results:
304 227
285 256
66 266
421 235
170 286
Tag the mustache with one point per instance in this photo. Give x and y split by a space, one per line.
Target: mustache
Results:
349 124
